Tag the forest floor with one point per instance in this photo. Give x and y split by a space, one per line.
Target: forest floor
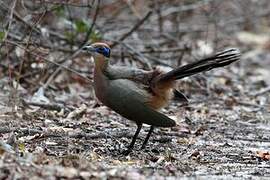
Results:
52 126
222 135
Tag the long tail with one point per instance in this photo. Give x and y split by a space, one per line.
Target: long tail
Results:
220 59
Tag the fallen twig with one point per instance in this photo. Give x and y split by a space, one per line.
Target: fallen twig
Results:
262 91
82 5
50 106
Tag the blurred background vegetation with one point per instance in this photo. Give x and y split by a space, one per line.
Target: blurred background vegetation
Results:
48 109
35 35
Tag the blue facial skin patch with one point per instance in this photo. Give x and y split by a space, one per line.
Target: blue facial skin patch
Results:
103 50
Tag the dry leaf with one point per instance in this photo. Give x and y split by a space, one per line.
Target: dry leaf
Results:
264 155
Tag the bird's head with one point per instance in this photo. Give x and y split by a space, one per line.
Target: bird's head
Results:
98 48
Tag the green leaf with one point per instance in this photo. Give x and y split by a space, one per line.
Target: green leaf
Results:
2 35
70 35
81 26
95 35
60 11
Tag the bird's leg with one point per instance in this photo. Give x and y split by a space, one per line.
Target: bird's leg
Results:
147 137
131 145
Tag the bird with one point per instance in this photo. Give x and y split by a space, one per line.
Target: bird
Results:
138 94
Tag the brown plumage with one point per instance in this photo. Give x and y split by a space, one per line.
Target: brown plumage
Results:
137 94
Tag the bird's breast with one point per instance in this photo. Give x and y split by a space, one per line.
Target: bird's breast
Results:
100 85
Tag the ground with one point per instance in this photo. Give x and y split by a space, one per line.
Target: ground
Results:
52 126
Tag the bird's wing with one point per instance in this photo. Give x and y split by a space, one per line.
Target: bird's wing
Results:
133 74
128 99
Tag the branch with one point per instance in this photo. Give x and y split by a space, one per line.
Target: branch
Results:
52 62
132 29
142 59
92 25
10 21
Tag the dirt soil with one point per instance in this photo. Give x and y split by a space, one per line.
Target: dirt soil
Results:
53 127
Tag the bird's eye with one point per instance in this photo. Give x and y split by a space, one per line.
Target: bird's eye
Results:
104 51
100 49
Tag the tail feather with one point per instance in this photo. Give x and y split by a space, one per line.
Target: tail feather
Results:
220 59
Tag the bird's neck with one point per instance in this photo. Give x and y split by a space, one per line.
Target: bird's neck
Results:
101 63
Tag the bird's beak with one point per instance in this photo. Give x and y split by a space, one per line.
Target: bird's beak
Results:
89 48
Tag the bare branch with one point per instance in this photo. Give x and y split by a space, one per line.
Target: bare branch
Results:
132 29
